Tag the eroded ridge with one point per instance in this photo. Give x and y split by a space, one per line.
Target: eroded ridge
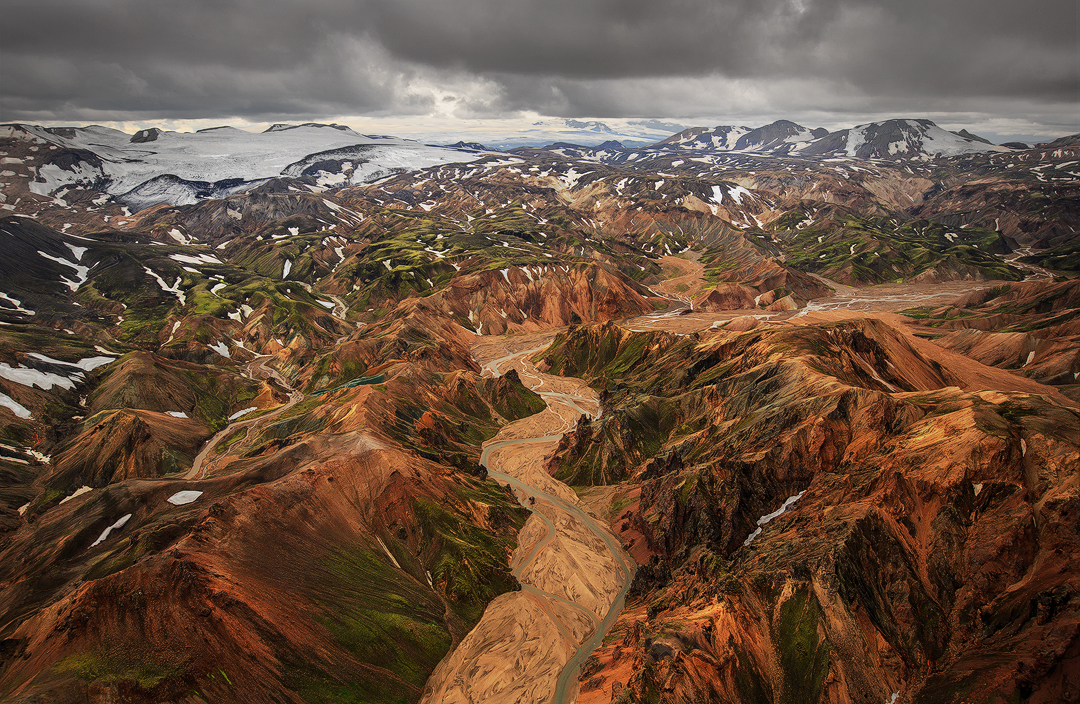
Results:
529 644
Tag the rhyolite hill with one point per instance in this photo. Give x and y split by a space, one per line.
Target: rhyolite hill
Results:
300 312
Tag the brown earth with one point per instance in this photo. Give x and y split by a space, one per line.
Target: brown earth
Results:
232 594
730 638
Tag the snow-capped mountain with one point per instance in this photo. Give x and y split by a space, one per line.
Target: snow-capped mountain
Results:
899 139
890 139
154 166
584 133
780 137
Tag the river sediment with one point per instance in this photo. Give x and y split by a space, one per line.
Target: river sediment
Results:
529 644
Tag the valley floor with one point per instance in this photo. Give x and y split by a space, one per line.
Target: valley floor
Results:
572 573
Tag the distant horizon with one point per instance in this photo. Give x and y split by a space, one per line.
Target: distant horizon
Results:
514 131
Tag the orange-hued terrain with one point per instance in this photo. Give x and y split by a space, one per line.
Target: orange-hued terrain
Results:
573 573
674 424
890 569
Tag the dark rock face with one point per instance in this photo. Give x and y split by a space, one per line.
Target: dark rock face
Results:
70 159
770 136
967 135
930 527
147 135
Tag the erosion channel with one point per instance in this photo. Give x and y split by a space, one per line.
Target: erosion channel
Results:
529 644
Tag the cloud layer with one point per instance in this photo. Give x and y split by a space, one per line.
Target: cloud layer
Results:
102 60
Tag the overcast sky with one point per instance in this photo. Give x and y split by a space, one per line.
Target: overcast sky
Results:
1005 67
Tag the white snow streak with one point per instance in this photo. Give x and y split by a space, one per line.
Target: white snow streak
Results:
244 412
82 271
174 289
120 523
769 516
15 407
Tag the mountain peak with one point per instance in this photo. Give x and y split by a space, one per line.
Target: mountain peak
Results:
898 139
593 126
470 146
283 126
974 137
140 137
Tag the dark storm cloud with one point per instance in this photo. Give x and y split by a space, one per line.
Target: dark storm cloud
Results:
118 59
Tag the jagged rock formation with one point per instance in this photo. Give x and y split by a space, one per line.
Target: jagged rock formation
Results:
926 529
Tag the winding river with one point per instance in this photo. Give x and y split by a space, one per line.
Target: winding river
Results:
256 368
572 570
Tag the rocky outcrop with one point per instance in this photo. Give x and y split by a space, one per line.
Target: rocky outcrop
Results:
524 299
831 519
339 598
126 444
1034 214
145 381
726 297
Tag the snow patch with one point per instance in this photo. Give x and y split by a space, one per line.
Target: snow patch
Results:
78 492
120 523
52 177
244 412
15 407
737 193
770 516
197 259
179 236
82 271
174 289
16 303
88 364
32 377
855 138
183 497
